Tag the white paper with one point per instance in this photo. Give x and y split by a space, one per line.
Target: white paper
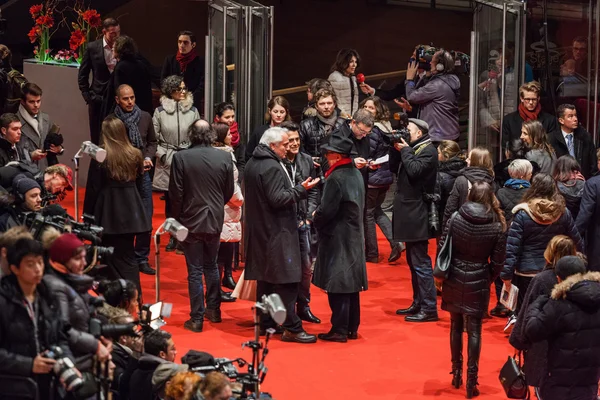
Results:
381 160
509 297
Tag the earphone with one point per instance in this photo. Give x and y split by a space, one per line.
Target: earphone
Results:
447 57
123 284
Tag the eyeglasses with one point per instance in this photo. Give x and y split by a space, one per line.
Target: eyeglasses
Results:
526 100
296 139
362 130
180 89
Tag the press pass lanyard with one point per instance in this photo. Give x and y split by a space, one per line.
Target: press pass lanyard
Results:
292 179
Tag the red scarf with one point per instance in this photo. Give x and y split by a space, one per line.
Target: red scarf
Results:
527 115
185 59
343 161
233 129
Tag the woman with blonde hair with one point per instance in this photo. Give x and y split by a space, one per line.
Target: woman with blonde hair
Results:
539 150
535 366
479 168
112 197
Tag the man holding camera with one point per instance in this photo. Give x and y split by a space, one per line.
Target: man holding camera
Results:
416 164
140 131
29 325
26 192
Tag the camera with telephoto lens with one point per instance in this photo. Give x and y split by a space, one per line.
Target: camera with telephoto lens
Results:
433 216
64 369
112 331
402 132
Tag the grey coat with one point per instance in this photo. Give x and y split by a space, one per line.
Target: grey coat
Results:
171 123
31 140
544 159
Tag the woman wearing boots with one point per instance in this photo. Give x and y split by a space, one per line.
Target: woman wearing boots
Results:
171 123
478 243
232 227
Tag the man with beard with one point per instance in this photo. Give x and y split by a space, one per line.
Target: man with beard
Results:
140 130
272 245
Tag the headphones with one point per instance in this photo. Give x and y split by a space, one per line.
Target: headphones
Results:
123 284
439 67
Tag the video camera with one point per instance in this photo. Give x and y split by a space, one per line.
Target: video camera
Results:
86 230
402 132
424 55
112 331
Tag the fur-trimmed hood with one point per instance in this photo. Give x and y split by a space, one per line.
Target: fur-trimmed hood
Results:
542 211
184 105
583 289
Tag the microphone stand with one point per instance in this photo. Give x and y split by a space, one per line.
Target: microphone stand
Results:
157 235
76 158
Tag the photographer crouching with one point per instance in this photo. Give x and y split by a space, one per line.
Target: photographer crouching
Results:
416 165
26 198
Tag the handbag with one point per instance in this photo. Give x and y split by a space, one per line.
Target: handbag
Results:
442 261
513 379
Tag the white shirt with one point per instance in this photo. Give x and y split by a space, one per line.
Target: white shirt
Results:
109 57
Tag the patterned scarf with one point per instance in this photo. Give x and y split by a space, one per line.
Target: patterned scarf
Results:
517 184
131 121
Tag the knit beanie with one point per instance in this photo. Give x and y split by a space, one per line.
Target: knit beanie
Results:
63 248
22 184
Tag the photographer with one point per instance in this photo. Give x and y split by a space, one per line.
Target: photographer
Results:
214 386
8 240
417 165
122 294
26 199
69 286
54 180
29 323
437 95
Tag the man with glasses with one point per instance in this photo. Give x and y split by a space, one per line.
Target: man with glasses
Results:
529 109
577 64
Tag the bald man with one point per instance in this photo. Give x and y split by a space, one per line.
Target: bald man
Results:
140 131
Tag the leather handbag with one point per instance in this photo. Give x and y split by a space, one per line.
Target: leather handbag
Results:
444 257
513 379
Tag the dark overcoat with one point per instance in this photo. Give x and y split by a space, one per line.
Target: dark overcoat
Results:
588 221
272 244
417 174
340 265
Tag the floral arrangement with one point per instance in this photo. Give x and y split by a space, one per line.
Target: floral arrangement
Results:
42 14
87 20
65 56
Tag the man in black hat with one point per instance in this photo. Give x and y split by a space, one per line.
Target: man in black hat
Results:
341 269
416 165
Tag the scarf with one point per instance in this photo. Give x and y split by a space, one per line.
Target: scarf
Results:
185 59
517 183
329 122
131 121
527 115
233 129
343 161
31 120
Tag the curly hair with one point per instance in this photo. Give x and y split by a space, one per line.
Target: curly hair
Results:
125 47
382 112
170 84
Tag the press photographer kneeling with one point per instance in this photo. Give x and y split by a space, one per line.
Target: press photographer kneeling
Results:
25 198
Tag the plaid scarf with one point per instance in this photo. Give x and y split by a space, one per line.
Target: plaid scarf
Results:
131 121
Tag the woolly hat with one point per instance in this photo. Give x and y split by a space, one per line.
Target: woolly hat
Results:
22 184
63 248
164 372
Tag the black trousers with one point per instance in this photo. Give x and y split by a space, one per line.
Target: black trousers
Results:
226 250
473 325
289 295
522 282
95 116
345 312
122 264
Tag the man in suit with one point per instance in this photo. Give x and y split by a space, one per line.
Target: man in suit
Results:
572 139
100 61
35 126
10 127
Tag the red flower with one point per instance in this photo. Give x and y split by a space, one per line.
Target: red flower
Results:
92 18
36 10
34 33
77 39
45 20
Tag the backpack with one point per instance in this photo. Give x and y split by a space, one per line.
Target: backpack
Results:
14 90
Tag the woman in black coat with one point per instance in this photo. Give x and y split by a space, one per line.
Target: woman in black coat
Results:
535 366
588 221
340 268
113 198
478 243
451 164
278 110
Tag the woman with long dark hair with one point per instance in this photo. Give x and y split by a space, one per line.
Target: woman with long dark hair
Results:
343 80
114 200
451 163
225 114
539 150
570 182
278 110
478 243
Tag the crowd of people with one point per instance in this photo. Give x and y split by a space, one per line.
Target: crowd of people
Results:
312 195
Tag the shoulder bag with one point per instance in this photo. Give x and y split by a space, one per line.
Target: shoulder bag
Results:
513 379
444 257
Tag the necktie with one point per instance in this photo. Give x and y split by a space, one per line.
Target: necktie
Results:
570 145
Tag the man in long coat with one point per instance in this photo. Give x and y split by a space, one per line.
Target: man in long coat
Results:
272 244
341 269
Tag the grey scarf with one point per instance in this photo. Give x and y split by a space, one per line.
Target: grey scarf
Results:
131 121
329 122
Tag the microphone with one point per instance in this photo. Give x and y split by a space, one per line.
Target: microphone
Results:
177 230
96 152
275 307
360 78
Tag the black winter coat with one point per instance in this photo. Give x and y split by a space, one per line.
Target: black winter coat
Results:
478 246
140 384
417 174
379 146
509 197
193 77
17 341
255 139
536 354
460 190
362 148
585 150
272 245
572 190
201 184
588 221
533 226
448 171
512 124
9 153
70 292
314 134
570 321
305 168
341 265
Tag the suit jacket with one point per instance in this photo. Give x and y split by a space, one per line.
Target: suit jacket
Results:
585 150
93 61
31 140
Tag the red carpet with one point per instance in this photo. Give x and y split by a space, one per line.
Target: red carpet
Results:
392 359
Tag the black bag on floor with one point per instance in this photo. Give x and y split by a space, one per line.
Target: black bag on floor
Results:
513 379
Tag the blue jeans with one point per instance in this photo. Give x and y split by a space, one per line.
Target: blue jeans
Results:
142 240
306 263
421 274
201 258
376 216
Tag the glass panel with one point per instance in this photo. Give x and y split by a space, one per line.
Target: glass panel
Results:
259 65
217 40
233 45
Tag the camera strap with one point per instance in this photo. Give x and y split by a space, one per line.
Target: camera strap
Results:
32 310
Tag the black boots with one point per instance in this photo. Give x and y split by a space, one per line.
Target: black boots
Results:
228 282
457 380
171 245
472 390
